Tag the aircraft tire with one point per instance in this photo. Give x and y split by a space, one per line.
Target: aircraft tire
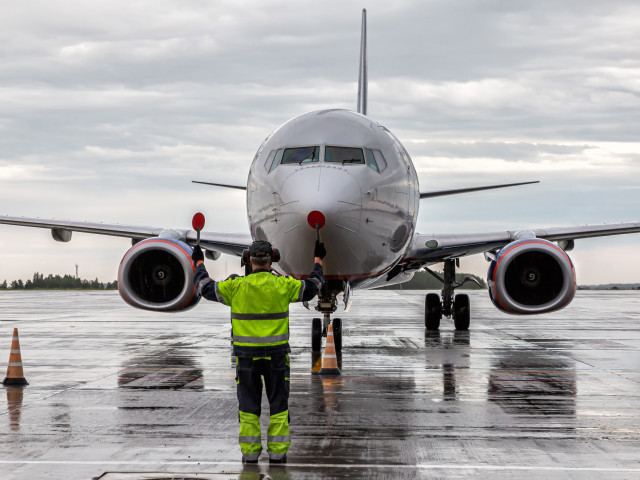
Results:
316 335
337 334
461 312
432 311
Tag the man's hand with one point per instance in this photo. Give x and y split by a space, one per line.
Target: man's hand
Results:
197 255
320 251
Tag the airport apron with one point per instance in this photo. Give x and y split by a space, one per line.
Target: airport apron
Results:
260 319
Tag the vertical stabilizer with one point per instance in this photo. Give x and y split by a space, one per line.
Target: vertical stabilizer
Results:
362 77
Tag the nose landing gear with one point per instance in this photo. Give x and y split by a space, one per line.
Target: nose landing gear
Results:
319 330
327 304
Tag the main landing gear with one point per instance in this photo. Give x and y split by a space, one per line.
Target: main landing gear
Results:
327 304
450 306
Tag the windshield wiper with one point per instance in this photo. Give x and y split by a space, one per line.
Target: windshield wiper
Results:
311 158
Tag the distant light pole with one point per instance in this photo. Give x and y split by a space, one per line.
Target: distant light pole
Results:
76 270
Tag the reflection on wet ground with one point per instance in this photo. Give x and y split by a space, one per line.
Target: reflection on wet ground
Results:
534 383
118 390
14 406
447 352
162 369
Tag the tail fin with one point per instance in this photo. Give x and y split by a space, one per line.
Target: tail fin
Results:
362 77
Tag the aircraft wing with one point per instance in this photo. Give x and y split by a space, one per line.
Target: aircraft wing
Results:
230 243
428 249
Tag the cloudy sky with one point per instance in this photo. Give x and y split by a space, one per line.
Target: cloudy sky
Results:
108 110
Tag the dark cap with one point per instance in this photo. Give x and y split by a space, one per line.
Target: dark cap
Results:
260 248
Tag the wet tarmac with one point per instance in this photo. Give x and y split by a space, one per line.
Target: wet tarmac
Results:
123 394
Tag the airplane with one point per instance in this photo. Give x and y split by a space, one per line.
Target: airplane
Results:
340 176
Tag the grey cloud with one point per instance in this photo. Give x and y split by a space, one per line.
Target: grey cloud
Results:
109 109
517 151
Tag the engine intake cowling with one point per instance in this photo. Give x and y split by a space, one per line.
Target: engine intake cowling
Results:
157 274
531 276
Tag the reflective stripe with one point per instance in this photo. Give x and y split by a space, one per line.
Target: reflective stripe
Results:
275 338
251 457
203 283
18 364
316 282
276 456
279 438
259 316
248 439
302 287
15 351
219 297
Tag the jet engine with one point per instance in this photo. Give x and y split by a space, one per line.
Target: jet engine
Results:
531 276
157 274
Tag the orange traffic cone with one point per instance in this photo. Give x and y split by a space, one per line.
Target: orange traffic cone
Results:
330 359
15 374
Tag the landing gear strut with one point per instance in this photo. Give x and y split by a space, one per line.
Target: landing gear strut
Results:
456 306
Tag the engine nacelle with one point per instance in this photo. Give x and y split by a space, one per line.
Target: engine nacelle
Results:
157 274
531 276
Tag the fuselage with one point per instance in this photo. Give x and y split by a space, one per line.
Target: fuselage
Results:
355 173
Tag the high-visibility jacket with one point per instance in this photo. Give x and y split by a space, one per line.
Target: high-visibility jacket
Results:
259 307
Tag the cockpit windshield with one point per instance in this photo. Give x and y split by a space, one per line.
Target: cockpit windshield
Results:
300 155
343 155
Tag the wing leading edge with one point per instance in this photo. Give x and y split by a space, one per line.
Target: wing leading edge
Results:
457 191
230 243
429 249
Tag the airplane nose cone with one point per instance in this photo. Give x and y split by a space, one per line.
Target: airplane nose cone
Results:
326 196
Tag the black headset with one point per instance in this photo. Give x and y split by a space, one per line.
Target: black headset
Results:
275 254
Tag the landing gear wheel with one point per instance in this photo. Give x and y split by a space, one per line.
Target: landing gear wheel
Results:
316 335
461 312
337 334
432 311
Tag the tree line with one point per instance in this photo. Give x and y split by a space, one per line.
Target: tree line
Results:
56 282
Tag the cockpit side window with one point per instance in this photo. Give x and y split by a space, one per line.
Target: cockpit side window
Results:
371 160
382 163
276 160
343 155
300 155
269 162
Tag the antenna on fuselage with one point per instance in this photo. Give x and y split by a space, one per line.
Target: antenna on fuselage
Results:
362 77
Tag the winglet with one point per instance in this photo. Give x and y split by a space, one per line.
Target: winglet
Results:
362 76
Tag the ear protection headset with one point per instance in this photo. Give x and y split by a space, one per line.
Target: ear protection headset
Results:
275 254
